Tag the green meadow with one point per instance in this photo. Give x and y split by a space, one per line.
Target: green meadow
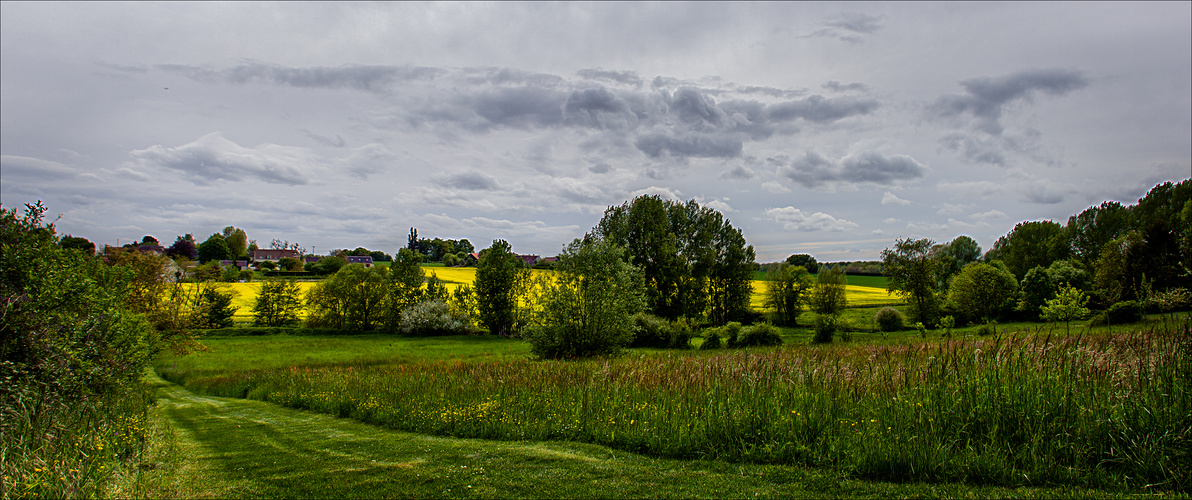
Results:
1031 408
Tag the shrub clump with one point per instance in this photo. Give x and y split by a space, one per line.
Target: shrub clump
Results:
825 328
734 335
434 317
889 320
1118 314
759 335
652 331
712 341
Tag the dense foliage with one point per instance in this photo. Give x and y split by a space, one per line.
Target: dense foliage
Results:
695 263
588 309
501 278
71 356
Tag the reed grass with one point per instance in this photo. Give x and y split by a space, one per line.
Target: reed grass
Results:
1108 410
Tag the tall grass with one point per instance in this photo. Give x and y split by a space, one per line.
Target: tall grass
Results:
55 447
1105 410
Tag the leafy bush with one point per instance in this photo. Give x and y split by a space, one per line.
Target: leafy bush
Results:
728 332
888 319
712 341
652 331
760 335
1175 299
1120 313
434 317
989 328
215 309
825 328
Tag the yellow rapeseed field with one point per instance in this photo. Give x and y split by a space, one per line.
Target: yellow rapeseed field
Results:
244 293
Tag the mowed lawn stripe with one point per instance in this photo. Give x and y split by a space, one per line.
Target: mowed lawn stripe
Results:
239 448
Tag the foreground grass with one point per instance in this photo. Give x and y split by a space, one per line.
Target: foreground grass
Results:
1104 410
232 448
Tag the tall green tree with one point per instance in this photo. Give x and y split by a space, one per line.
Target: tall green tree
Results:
588 308
277 304
1068 305
1030 244
828 295
405 289
693 260
77 243
1090 230
982 291
911 270
807 261
952 257
215 248
237 242
788 290
354 298
500 276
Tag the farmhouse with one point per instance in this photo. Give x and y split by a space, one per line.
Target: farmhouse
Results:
360 259
529 259
273 255
242 264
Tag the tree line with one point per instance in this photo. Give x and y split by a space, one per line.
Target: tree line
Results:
1110 256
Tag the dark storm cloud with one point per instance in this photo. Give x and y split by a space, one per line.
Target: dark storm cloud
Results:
622 77
471 181
985 97
359 77
213 158
814 170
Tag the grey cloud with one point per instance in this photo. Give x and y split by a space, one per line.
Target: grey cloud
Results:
511 76
881 169
769 91
471 181
600 168
359 77
814 170
739 172
985 97
213 158
598 108
836 86
337 142
690 106
849 27
656 145
819 109
622 77
520 107
1041 193
973 148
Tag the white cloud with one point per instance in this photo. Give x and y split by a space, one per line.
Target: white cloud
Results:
793 219
893 199
719 205
775 187
213 158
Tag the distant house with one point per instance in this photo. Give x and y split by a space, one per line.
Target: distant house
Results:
361 259
274 255
242 264
155 249
550 260
529 259
311 259
470 260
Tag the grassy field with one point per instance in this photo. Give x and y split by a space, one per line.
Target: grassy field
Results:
211 447
1100 409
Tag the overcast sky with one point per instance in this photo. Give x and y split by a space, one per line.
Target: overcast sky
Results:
821 128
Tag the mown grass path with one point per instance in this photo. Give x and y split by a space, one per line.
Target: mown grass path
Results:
235 448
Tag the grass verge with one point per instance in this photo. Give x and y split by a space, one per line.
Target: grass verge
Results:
234 448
